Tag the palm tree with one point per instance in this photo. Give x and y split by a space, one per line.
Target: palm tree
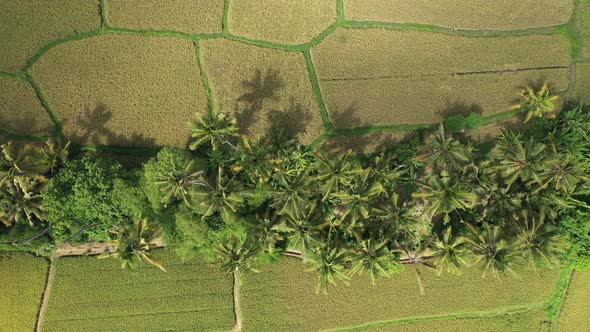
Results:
222 197
450 253
519 160
213 128
374 258
491 250
444 152
255 161
395 216
330 264
335 172
291 193
357 201
176 183
270 228
19 162
236 257
536 103
386 172
537 241
134 245
21 201
304 230
564 172
445 194
54 154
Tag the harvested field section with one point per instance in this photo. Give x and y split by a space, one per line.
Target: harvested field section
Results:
583 82
123 89
96 295
465 14
365 143
574 314
29 25
386 77
21 113
532 321
203 16
263 88
285 21
282 297
23 281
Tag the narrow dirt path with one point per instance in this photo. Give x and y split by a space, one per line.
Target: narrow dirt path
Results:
46 293
237 309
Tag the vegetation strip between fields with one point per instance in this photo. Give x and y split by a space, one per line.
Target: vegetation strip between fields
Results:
46 295
103 14
417 319
556 302
317 91
204 77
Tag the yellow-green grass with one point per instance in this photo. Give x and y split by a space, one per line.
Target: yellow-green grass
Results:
201 16
466 14
21 113
285 21
582 21
23 281
97 295
29 25
282 297
365 143
123 89
385 77
262 88
583 82
532 321
574 316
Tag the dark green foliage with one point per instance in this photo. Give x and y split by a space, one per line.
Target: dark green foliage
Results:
80 200
458 123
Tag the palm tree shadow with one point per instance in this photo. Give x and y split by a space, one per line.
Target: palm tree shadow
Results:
262 87
460 108
92 128
25 124
291 122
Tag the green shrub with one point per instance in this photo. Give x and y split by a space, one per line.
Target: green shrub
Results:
455 123
474 121
83 198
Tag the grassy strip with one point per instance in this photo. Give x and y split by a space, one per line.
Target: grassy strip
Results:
13 75
453 31
379 129
557 300
103 14
322 35
340 8
224 23
480 314
569 30
14 137
265 43
318 141
204 77
45 104
317 92
151 32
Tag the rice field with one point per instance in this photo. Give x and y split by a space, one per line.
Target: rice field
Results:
262 87
96 295
582 22
269 20
533 321
22 113
574 315
464 14
375 76
29 25
282 297
583 82
123 89
23 281
203 16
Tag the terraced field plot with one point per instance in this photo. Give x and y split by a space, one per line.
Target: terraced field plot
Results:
282 297
574 316
385 77
29 25
123 89
23 281
263 88
271 20
583 82
203 16
96 295
465 14
22 113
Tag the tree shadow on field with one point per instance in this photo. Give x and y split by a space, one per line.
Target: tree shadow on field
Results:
460 108
263 86
23 125
290 122
349 118
92 128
